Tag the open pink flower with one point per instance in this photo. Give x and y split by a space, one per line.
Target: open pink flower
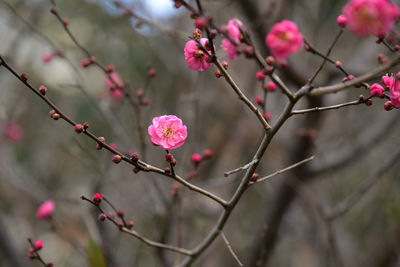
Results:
284 39
45 210
387 80
234 33
395 92
195 58
13 132
376 90
167 131
370 17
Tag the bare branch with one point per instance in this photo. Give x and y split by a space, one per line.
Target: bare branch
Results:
231 249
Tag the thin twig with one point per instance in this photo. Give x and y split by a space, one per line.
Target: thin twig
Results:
284 170
231 249
309 110
137 235
244 167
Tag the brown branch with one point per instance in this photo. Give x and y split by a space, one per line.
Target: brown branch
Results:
338 106
229 246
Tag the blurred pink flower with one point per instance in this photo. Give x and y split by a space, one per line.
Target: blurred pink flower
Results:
284 39
195 58
167 131
387 80
395 92
234 33
45 210
376 90
47 57
116 94
370 17
114 80
13 132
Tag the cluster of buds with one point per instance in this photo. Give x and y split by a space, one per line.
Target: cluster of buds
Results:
196 159
170 158
86 62
202 22
143 101
33 252
54 115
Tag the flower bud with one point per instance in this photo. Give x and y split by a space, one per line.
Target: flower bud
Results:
196 158
97 198
43 89
78 128
341 21
116 159
24 76
254 177
207 154
102 217
38 245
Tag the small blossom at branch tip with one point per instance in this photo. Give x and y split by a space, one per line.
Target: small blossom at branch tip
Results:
218 74
24 76
131 224
233 31
47 57
341 21
254 177
267 116
382 59
85 63
260 76
116 159
196 34
152 72
361 98
85 125
271 86
65 21
97 198
78 128
394 90
102 217
376 90
43 89
135 156
338 64
284 39
38 245
56 116
370 17
270 60
167 131
225 64
201 23
196 158
207 154
12 132
45 210
196 58
388 106
258 101
120 213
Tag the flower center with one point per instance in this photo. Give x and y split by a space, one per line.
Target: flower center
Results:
284 36
168 132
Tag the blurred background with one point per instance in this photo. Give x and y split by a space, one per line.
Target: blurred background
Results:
282 222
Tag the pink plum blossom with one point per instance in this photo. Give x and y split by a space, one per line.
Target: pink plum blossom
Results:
386 80
45 210
233 31
376 90
195 58
341 21
395 92
284 39
167 131
13 132
370 17
113 80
